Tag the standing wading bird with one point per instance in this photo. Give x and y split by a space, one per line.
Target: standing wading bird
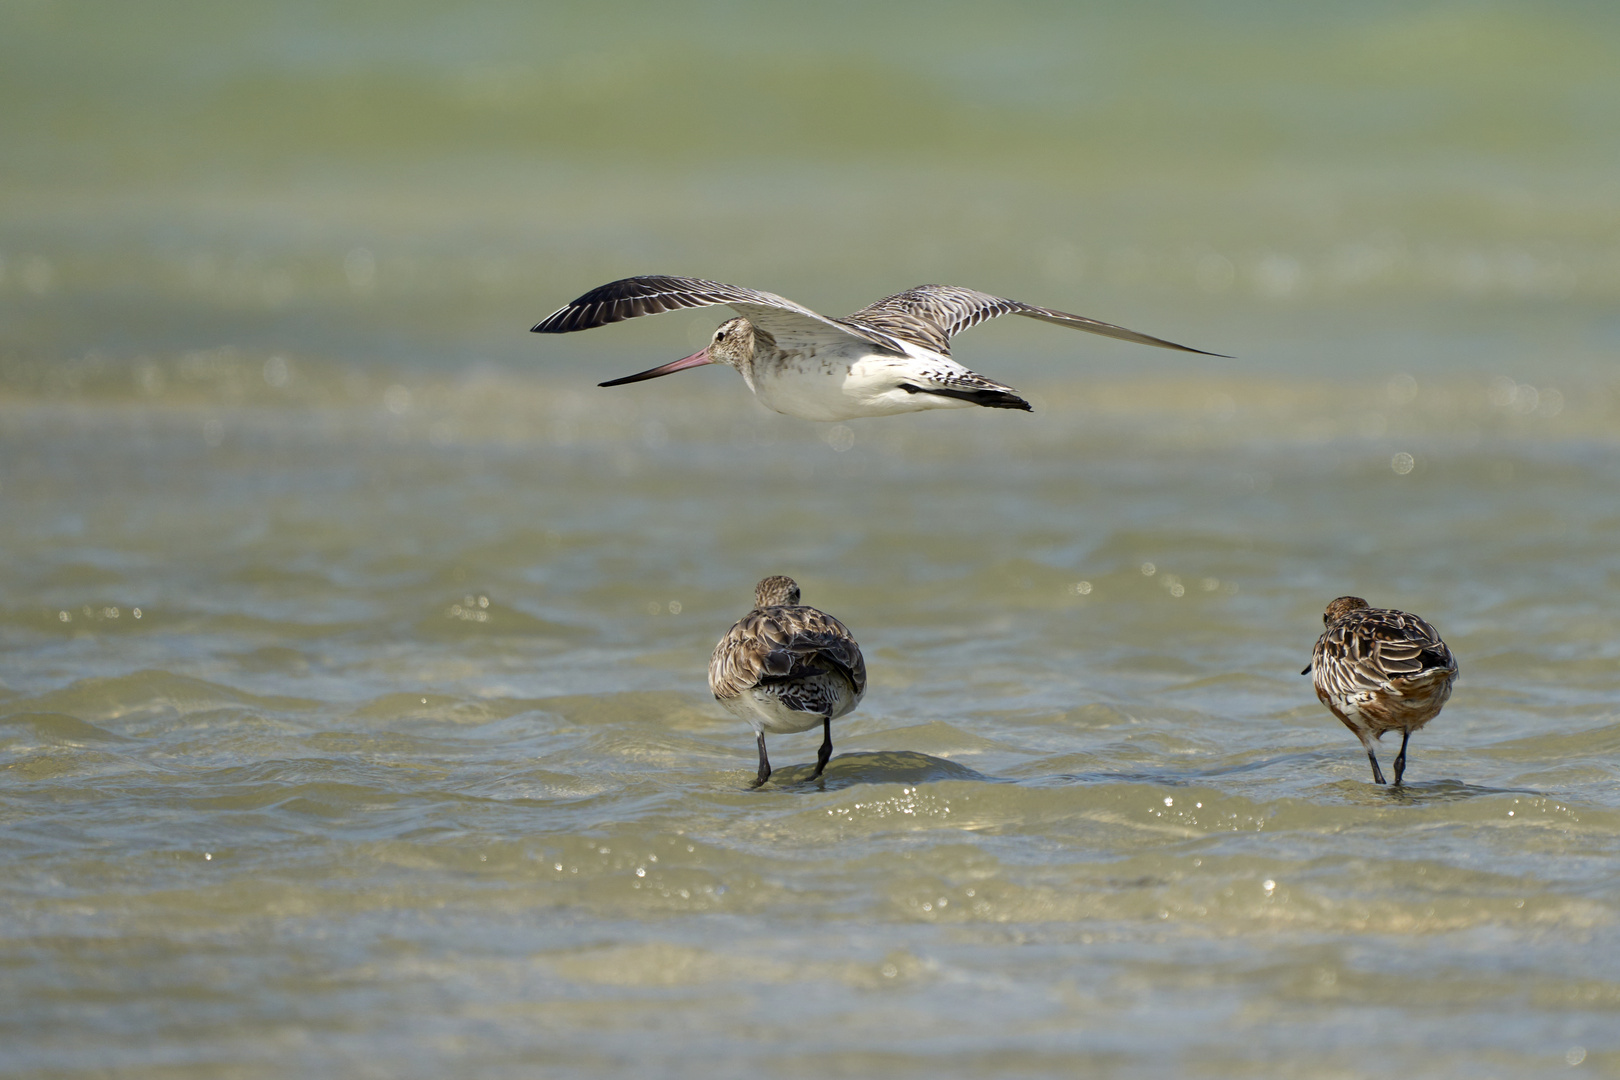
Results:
1379 669
893 356
785 667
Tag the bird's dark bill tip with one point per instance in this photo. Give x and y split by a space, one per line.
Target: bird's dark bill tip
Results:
697 359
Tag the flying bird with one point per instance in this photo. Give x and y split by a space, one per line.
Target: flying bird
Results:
785 667
1378 670
890 357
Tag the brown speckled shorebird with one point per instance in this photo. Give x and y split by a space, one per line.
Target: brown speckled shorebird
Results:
785 667
1380 670
892 356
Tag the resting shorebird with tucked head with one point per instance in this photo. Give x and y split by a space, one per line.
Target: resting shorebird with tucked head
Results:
1379 670
785 667
893 356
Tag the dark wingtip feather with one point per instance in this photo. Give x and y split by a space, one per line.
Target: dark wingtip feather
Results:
1163 344
995 399
558 322
1431 658
989 399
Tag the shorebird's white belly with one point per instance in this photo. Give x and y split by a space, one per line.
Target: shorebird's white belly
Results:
767 713
765 710
835 385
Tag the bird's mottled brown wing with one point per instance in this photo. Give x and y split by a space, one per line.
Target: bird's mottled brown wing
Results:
1405 644
791 324
930 315
1378 649
781 643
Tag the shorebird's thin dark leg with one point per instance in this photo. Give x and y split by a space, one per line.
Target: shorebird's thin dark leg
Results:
825 752
1400 760
1366 742
765 764
1378 774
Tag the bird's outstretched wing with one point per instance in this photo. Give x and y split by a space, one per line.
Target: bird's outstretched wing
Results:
930 315
792 325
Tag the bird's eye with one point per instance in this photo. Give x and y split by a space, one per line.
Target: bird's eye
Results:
720 335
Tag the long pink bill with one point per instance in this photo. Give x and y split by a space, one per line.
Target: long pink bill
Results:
697 359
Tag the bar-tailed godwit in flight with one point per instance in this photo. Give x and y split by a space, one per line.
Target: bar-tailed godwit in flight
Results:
1380 670
893 356
785 667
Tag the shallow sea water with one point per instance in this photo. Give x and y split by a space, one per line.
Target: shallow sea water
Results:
353 713
407 763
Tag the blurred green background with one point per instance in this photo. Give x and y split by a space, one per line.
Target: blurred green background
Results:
1305 185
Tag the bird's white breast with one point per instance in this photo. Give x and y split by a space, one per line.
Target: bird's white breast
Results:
848 383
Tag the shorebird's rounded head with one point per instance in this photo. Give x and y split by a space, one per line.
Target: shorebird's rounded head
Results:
1341 607
732 343
777 590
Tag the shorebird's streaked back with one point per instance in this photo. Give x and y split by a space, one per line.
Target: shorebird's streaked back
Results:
1378 670
785 667
890 357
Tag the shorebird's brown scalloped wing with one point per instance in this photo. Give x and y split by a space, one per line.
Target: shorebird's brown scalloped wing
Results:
782 643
